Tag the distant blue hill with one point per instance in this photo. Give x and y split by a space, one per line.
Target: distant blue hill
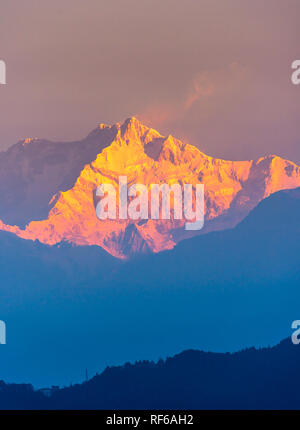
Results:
264 246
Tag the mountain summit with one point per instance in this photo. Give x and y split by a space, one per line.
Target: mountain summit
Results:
48 188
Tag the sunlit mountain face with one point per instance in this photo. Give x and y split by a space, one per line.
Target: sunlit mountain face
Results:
48 189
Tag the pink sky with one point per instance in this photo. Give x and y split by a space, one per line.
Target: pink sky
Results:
214 73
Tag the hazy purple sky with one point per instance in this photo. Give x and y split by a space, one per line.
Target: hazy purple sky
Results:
213 72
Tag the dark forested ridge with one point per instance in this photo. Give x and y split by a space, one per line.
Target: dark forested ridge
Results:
264 378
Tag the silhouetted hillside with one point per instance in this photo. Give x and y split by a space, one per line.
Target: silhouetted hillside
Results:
251 379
